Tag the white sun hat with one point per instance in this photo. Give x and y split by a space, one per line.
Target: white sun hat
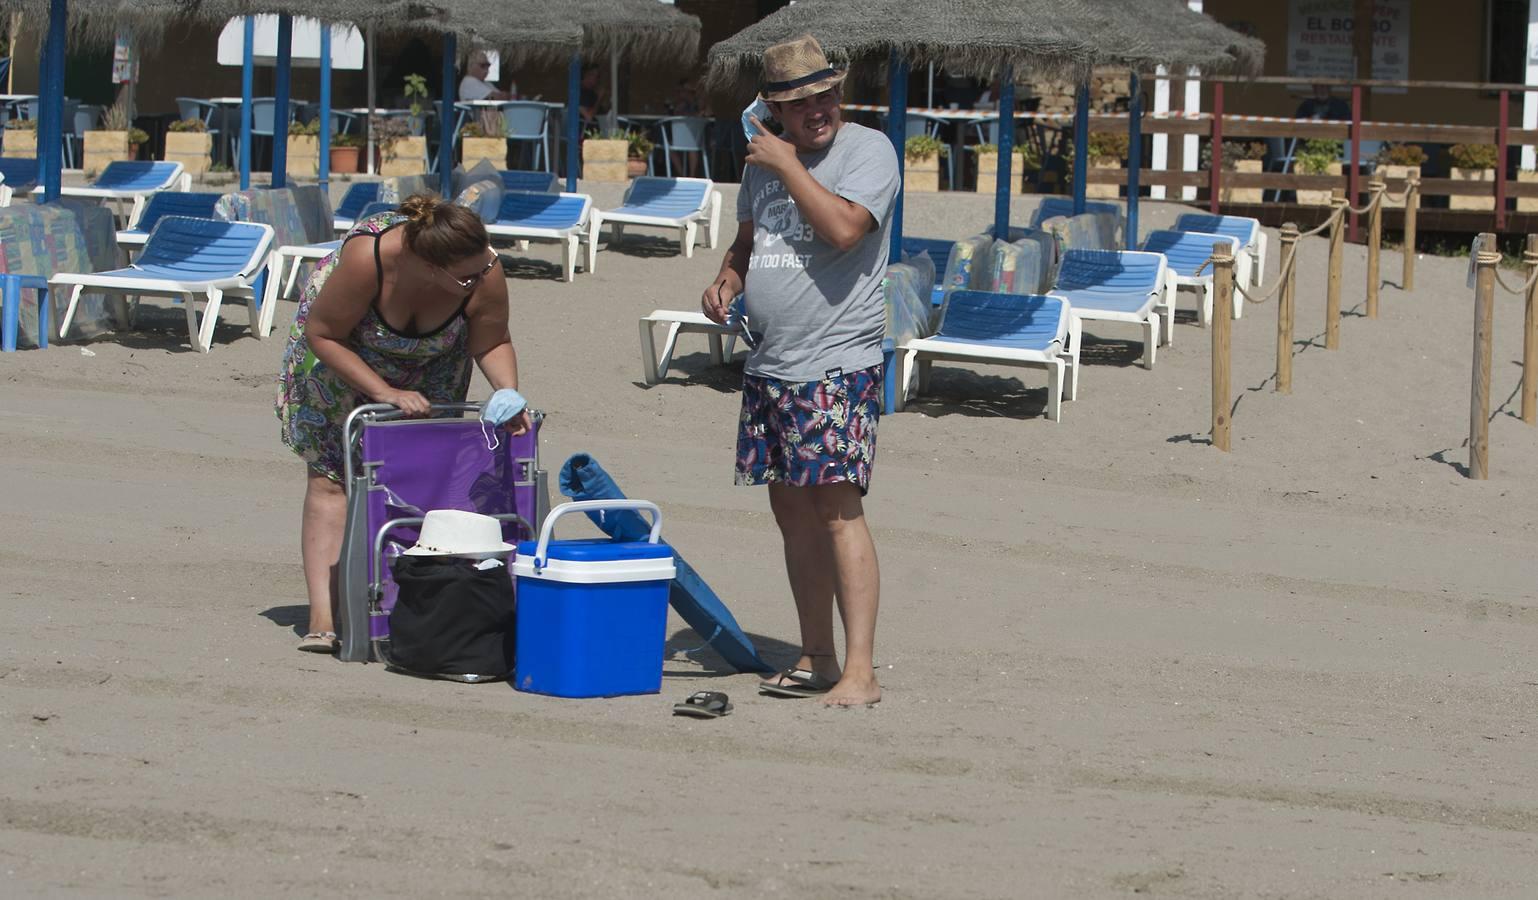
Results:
454 532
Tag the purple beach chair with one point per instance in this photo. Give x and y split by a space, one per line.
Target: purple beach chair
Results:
400 468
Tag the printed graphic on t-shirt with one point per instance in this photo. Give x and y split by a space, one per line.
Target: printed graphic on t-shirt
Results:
781 224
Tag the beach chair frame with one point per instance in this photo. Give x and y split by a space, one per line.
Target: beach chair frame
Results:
360 563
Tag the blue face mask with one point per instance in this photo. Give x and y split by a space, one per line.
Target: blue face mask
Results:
758 109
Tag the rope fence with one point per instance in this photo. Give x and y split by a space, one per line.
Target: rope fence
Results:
1487 276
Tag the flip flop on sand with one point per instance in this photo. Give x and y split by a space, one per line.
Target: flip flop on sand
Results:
795 683
319 642
703 705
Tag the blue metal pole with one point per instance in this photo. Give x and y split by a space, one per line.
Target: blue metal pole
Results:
1134 160
446 119
280 93
897 130
50 132
1080 147
323 173
247 74
573 119
1005 176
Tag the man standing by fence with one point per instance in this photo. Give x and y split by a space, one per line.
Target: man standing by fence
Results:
814 212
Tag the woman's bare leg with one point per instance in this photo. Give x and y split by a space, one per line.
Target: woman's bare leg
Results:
320 540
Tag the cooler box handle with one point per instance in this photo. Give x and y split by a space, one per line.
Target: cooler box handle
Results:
585 506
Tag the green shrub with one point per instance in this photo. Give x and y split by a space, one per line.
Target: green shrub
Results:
1472 156
1401 155
922 146
188 125
1315 156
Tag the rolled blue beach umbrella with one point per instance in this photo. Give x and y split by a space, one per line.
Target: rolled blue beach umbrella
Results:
582 478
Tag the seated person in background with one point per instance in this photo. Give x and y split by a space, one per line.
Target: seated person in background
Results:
591 101
473 86
685 100
1323 106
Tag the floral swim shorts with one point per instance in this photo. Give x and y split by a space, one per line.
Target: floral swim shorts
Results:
809 433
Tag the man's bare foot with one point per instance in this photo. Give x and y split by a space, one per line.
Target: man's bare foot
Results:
854 689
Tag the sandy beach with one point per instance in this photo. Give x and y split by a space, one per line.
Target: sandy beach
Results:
1116 661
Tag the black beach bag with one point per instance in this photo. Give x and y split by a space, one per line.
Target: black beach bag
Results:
451 619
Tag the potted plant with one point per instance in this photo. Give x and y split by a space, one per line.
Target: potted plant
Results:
415 92
1316 157
21 138
485 139
1397 161
1106 151
110 143
1472 162
604 156
400 153
189 143
303 149
922 170
137 137
1238 156
638 150
346 152
1027 160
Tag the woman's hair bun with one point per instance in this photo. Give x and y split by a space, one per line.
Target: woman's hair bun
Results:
419 208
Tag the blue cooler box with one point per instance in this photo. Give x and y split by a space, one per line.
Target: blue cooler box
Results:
592 613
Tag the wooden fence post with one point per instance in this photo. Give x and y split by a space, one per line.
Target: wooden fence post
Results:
1530 338
1375 189
1332 293
1479 400
1412 203
1222 329
1284 309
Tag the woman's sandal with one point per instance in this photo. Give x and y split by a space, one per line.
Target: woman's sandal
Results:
319 642
703 705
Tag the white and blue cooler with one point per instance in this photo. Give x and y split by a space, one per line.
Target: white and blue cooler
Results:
592 613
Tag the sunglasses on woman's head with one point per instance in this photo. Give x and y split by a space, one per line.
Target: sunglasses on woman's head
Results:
473 280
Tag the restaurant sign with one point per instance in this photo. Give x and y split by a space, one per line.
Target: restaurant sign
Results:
1319 39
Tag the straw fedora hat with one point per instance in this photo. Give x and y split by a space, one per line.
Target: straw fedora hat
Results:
454 532
797 68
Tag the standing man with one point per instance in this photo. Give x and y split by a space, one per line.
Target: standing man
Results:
814 212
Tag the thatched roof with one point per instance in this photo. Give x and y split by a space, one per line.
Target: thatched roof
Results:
1044 38
641 30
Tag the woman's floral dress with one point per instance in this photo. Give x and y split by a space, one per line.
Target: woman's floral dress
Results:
313 401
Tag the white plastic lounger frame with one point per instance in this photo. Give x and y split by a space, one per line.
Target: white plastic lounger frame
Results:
1058 355
195 247
662 206
655 368
1185 252
292 258
1131 304
6 193
584 230
1250 266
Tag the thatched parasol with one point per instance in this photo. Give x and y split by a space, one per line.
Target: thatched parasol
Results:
1048 38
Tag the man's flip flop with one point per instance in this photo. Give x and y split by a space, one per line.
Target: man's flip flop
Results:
703 705
795 683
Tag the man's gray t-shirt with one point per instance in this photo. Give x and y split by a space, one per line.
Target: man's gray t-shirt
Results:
819 309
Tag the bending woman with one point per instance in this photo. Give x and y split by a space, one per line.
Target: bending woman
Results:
395 316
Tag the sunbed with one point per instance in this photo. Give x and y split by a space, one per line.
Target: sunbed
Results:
185 257
16 175
564 218
1038 331
166 203
655 368
349 211
681 203
1251 267
133 181
1114 220
1185 254
520 180
1115 286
